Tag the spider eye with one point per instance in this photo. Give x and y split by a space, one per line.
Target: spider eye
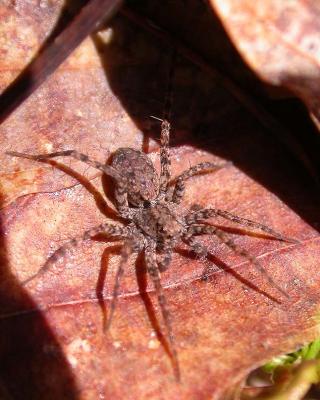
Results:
146 204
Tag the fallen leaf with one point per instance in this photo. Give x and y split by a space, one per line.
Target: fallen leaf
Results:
101 99
280 42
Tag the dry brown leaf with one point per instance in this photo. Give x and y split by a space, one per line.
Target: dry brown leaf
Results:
280 41
52 344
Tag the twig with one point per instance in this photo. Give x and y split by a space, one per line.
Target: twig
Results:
43 65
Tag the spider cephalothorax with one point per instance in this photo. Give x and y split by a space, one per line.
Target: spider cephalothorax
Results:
154 220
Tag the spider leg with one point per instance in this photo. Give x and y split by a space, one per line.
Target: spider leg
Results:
120 193
205 229
112 230
179 187
202 253
71 153
153 270
200 250
199 215
121 200
205 255
165 162
166 255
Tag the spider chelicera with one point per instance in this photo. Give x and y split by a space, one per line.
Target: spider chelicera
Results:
154 220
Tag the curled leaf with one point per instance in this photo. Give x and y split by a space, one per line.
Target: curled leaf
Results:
100 99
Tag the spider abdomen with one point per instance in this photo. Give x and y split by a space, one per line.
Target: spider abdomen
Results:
160 221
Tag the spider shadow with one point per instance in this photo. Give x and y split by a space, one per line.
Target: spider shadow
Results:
108 252
98 198
108 185
209 271
243 232
141 273
141 277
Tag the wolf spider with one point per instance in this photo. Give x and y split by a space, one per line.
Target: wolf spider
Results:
155 221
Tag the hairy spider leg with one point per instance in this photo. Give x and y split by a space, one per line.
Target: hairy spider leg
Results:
179 188
199 215
150 257
121 199
165 255
200 250
165 162
211 230
152 268
112 230
120 193
69 153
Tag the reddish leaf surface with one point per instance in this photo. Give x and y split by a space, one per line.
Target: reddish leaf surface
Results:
280 41
52 344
